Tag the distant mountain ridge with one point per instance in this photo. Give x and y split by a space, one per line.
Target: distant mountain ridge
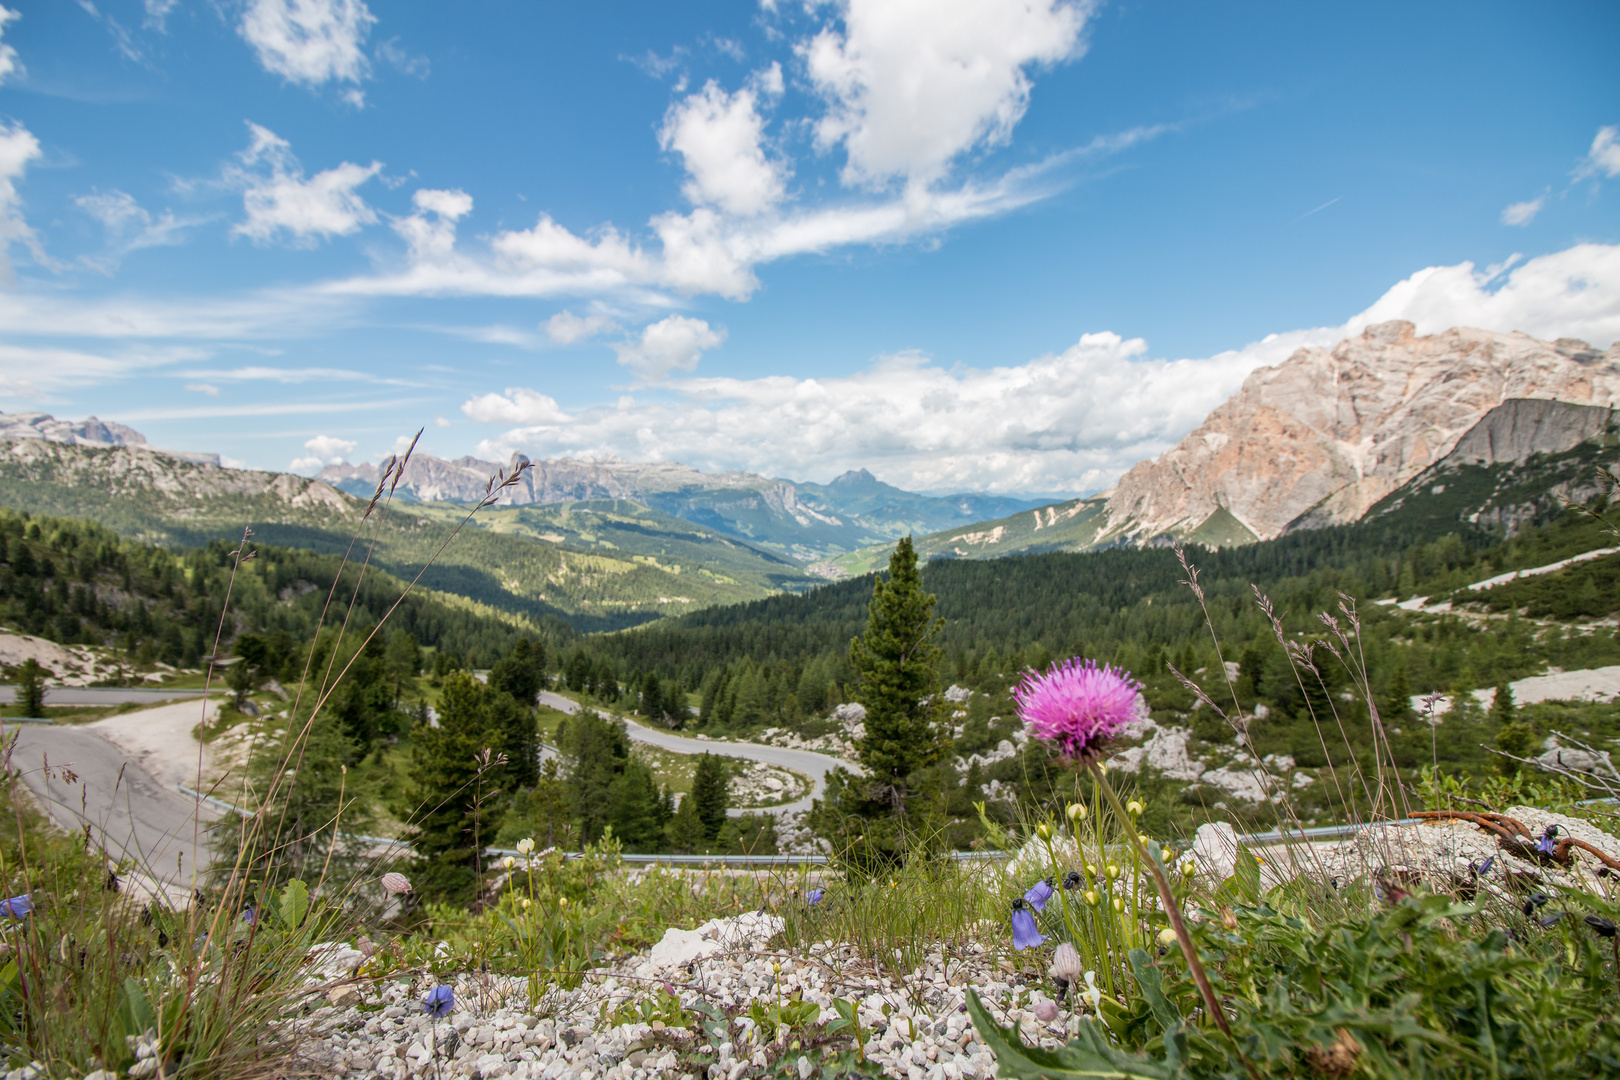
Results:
1332 436
804 521
87 432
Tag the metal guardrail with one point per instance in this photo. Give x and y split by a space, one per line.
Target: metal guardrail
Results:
26 720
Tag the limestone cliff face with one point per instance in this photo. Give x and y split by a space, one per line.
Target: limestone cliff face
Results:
1321 437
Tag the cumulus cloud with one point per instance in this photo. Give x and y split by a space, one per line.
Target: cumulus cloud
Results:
280 201
910 85
516 406
9 65
323 450
310 42
720 138
1603 159
671 344
1523 213
18 147
1070 421
565 328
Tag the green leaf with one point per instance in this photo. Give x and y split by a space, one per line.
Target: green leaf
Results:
1247 875
1089 1055
135 1014
294 903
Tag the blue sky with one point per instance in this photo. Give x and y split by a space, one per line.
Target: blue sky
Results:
1008 245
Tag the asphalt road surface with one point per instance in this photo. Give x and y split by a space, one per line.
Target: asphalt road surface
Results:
133 815
101 695
816 766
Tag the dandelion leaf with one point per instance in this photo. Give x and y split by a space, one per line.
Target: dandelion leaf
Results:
1087 1056
294 903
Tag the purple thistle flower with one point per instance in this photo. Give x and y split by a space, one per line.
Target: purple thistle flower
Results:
439 1002
1025 935
1548 841
18 906
1078 705
813 897
1039 893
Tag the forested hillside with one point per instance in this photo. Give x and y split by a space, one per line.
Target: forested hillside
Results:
76 582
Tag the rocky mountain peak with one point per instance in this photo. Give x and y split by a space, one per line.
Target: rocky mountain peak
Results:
1329 432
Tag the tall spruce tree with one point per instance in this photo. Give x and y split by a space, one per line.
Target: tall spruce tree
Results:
453 810
897 662
710 797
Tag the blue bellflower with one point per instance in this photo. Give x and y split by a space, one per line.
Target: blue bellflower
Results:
1039 893
813 897
18 906
439 1002
1548 841
1025 935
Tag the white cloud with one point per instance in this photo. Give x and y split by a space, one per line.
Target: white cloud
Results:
719 136
439 421
1070 421
129 226
310 42
18 147
292 376
516 406
671 344
8 56
1522 213
157 14
912 84
565 328
1570 293
323 450
36 372
391 53
279 200
203 388
1604 156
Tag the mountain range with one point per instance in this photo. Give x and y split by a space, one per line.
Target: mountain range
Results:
803 521
1465 425
1324 438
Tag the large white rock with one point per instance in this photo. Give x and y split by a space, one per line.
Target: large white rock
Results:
1214 849
681 947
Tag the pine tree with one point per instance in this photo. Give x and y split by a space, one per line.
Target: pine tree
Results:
31 688
521 672
685 833
710 797
896 661
637 818
403 661
595 751
1513 735
452 809
652 698
1397 703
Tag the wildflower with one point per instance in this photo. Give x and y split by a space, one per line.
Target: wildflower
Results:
1113 872
813 897
1091 870
1092 897
1077 812
18 906
525 846
1134 808
1025 934
1144 838
439 1002
1601 926
1167 938
507 862
1483 868
1188 868
1044 829
1119 904
1038 894
250 916
1550 920
1071 880
1548 842
1092 993
562 901
1065 963
396 884
1078 705
525 903
1536 900
1229 918
1046 1011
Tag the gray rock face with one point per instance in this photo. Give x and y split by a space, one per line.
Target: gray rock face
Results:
1518 429
1330 432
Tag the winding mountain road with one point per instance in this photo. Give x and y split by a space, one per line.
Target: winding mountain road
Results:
816 766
